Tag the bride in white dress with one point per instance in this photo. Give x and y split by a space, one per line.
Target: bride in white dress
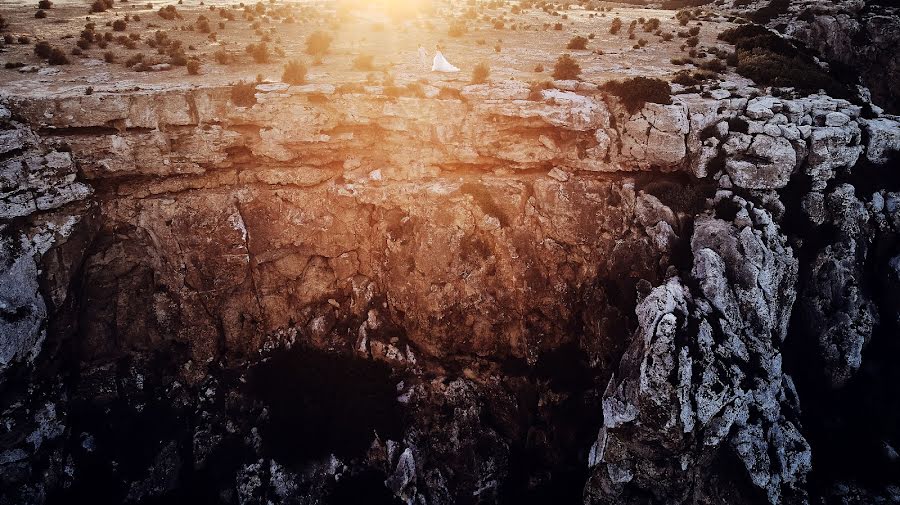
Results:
441 64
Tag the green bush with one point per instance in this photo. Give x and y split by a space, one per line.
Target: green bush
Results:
637 91
566 68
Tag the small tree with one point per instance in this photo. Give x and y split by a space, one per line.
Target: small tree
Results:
294 72
480 73
566 68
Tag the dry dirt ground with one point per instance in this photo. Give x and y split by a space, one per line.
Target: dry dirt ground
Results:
366 30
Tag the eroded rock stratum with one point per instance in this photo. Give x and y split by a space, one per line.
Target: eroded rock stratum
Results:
343 296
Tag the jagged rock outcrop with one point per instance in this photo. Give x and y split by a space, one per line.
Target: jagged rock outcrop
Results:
702 382
455 277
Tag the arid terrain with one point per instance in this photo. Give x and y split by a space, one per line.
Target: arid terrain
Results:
628 254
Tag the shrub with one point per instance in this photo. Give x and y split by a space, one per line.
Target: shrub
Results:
566 68
45 4
713 66
577 43
40 14
109 57
535 89
318 43
193 66
651 25
480 73
243 94
57 57
134 60
119 25
771 60
456 29
259 52
223 57
168 13
558 26
637 91
539 68
294 72
616 26
101 5
364 62
42 49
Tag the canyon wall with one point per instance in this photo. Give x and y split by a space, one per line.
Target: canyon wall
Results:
501 295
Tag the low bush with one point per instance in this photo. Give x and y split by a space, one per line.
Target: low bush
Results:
193 66
109 57
223 57
616 26
119 25
294 72
577 43
169 13
318 43
457 29
259 52
243 94
637 91
45 4
535 89
771 60
566 68
40 14
480 73
101 6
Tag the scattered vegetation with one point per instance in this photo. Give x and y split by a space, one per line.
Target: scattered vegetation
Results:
53 55
637 91
770 60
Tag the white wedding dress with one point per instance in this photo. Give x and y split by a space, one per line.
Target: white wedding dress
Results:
441 64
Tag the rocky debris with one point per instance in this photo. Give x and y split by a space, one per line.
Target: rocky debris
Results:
702 381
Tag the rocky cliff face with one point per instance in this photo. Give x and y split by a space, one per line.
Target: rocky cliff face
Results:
335 294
